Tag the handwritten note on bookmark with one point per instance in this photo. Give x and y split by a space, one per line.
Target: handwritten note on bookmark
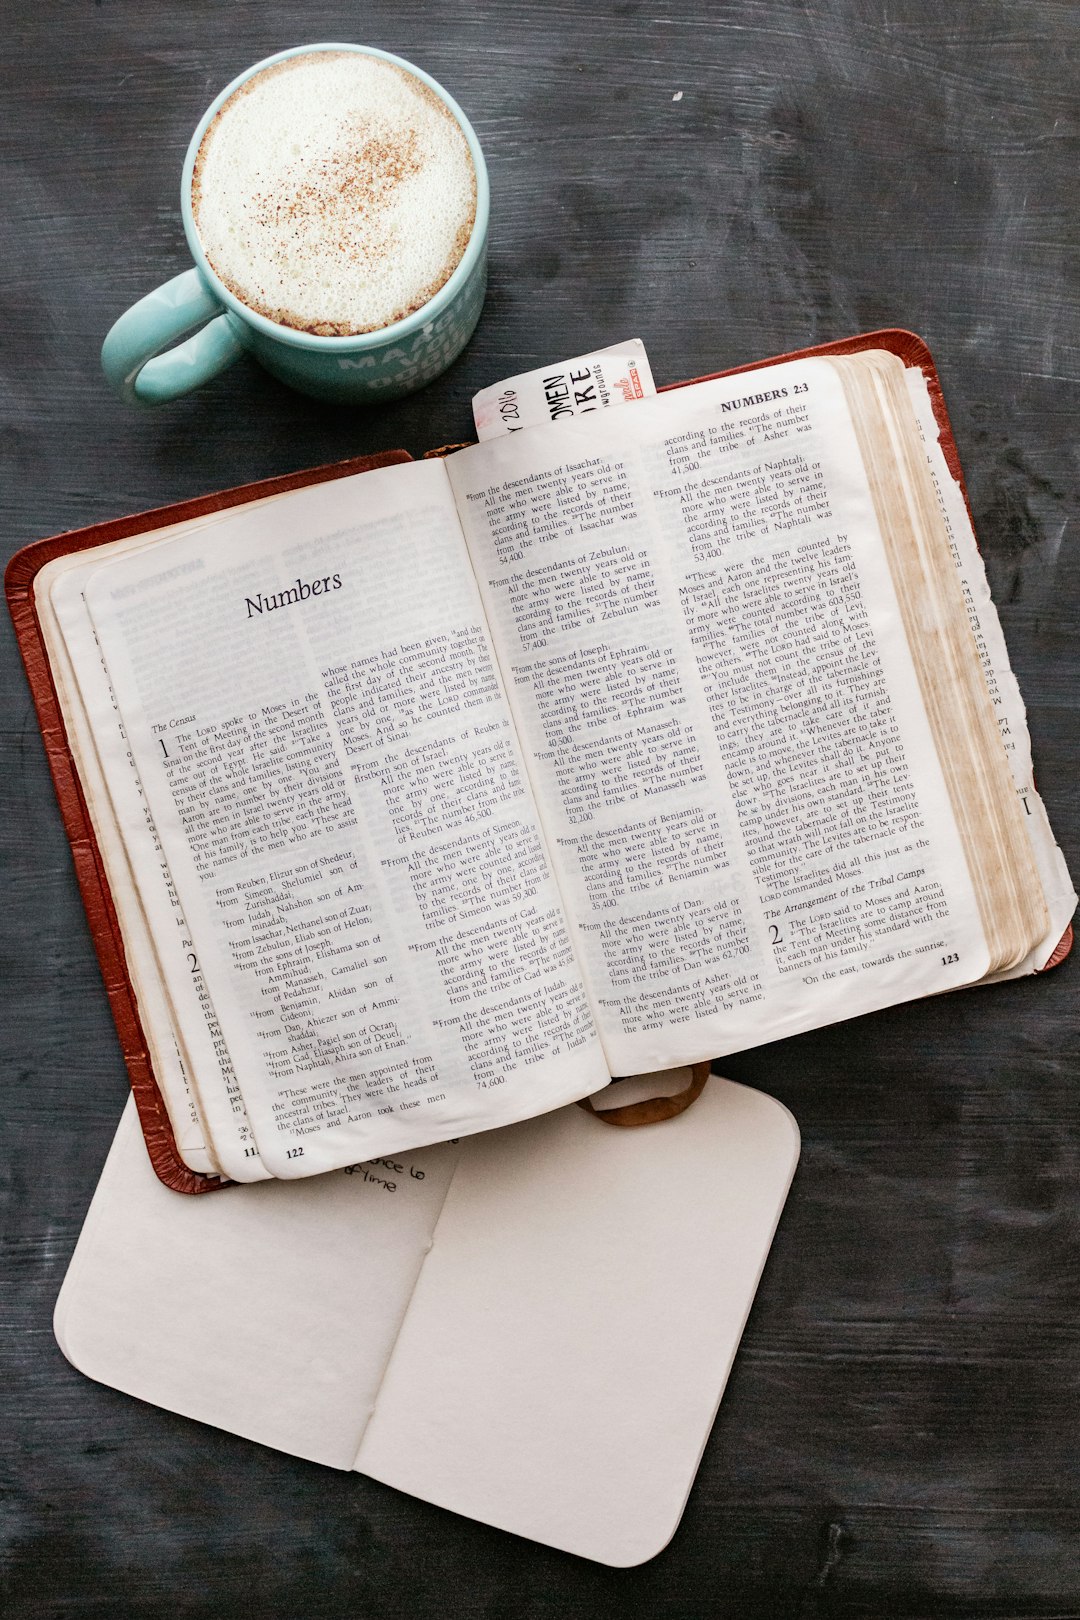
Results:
592 382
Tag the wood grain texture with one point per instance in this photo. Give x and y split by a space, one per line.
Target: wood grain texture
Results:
899 1436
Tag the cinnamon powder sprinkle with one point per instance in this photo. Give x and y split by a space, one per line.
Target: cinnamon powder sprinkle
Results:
342 219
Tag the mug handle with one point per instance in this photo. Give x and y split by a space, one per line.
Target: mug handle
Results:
131 355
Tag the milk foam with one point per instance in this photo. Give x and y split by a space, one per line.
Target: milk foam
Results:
334 193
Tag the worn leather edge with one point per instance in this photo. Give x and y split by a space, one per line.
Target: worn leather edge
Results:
1059 952
651 1110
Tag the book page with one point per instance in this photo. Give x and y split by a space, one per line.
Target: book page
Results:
1001 682
178 1021
703 646
957 702
323 742
190 1059
269 1311
155 1012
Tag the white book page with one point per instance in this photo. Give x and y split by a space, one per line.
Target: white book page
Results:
269 1311
572 1329
1001 682
165 969
131 853
155 1012
707 663
325 748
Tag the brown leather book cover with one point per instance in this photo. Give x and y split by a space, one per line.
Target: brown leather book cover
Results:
104 927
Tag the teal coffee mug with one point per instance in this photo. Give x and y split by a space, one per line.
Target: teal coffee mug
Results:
210 326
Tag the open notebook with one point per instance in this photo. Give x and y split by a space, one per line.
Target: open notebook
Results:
532 1327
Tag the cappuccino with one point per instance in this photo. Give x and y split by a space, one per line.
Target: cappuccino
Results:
334 193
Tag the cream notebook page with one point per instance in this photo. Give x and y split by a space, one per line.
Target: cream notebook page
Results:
533 1329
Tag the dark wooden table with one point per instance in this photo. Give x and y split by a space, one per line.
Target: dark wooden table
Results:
726 179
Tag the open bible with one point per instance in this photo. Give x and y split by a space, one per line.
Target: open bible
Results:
428 798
